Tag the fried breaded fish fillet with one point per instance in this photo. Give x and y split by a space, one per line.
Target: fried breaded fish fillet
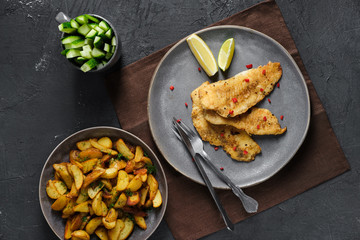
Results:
236 95
237 143
256 121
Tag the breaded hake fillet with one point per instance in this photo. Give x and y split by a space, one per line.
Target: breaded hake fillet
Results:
256 121
236 95
237 143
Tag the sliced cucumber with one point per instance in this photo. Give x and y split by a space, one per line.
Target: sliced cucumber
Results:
104 25
80 60
70 39
82 19
108 55
86 54
89 41
113 49
77 43
74 24
84 29
89 65
109 33
63 52
106 47
98 42
91 18
73 53
66 27
92 34
101 32
93 25
97 53
113 41
87 48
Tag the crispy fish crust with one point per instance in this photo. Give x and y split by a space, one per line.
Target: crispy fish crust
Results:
248 88
237 143
252 121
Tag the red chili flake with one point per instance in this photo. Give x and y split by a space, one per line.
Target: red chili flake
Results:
245 152
282 117
258 126
261 89
264 118
216 148
278 85
264 72
199 69
222 134
234 148
249 66
269 100
171 87
246 80
231 111
186 105
234 100
179 120
222 169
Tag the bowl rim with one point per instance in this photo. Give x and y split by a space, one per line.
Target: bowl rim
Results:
162 213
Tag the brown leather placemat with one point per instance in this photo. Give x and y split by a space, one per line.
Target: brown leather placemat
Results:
191 212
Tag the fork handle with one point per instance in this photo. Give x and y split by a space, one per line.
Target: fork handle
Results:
224 215
250 204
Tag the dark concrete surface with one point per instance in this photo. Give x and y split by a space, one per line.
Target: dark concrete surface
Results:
43 100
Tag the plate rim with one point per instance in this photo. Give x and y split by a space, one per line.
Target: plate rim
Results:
289 57
94 128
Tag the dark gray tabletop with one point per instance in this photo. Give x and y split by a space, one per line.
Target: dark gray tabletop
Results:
43 100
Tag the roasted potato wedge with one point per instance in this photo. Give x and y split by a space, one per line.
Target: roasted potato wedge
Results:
135 184
89 154
139 153
121 202
128 228
83 145
140 221
93 176
102 233
123 181
78 176
115 232
157 201
60 203
93 224
83 195
133 199
82 207
123 149
64 174
110 173
67 233
89 165
105 142
94 190
99 207
81 234
51 190
109 221
96 145
153 186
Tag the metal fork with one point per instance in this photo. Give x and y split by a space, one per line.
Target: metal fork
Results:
250 204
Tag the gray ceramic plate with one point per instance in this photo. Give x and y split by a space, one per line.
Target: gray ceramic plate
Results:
61 154
180 69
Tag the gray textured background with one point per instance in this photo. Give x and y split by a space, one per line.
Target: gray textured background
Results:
43 100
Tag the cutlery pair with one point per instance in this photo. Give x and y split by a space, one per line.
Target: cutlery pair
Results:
196 148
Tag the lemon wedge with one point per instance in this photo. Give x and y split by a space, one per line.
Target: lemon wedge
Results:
226 54
202 54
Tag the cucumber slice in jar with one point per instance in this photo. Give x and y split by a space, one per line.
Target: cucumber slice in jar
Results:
89 65
84 30
97 53
87 48
70 39
91 18
93 25
89 41
86 54
73 53
108 55
113 41
109 33
92 34
82 19
63 52
74 24
66 27
106 47
104 25
98 42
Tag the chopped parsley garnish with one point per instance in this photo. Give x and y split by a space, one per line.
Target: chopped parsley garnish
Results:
118 157
145 154
128 192
130 216
150 169
84 219
111 205
84 159
101 184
